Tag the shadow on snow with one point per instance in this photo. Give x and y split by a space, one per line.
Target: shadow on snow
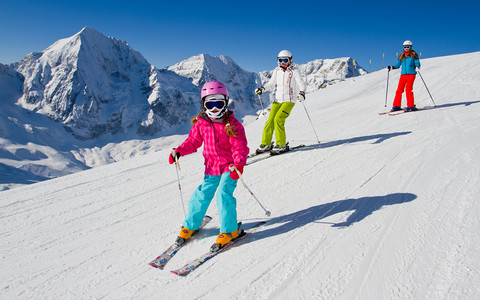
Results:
465 103
375 138
362 208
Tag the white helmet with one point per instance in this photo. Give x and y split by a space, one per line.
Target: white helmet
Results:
407 43
285 54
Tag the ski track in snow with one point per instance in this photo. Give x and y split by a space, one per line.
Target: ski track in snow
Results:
384 208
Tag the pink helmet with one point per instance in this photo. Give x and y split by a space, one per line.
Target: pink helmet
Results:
213 87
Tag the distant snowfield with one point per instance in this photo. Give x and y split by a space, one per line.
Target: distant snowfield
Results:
386 207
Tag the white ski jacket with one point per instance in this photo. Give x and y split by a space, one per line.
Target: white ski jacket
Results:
288 84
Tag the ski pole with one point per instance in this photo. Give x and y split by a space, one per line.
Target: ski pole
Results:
233 168
177 167
386 93
426 88
263 109
311 123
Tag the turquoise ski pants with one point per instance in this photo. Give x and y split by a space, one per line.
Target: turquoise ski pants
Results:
226 203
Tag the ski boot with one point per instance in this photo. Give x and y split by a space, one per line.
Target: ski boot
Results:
411 108
280 149
225 238
184 235
264 148
395 108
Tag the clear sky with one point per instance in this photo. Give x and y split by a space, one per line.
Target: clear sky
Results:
250 32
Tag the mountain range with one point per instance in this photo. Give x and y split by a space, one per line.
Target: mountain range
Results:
90 90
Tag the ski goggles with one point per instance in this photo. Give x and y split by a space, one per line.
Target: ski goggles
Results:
214 103
407 47
283 60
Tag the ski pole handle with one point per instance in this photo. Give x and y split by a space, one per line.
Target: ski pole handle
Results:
177 163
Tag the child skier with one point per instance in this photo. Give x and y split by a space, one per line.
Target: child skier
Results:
408 60
225 147
288 83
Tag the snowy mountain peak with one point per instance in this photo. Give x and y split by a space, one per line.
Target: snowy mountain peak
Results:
240 84
202 68
78 80
87 30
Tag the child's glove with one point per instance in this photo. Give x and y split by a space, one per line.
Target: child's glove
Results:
234 174
174 154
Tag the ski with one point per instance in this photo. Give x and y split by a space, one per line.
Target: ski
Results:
165 257
258 153
403 110
400 111
397 112
289 149
194 264
270 154
389 112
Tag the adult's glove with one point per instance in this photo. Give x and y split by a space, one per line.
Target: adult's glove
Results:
173 155
259 91
301 96
390 68
234 174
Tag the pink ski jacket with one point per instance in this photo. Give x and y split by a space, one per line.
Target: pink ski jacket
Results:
220 150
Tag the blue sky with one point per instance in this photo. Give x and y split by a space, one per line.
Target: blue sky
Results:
250 32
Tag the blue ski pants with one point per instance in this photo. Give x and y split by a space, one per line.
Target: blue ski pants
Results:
226 203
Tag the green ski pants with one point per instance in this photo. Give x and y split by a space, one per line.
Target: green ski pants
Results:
276 122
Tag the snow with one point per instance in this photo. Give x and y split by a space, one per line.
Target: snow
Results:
384 208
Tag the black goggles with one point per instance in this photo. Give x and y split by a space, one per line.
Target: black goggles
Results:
211 104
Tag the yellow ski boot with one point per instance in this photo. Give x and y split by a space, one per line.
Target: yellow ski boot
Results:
184 235
225 238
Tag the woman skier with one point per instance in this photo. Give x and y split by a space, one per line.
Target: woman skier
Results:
289 86
225 147
408 60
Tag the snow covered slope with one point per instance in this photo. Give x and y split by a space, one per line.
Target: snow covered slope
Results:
386 207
